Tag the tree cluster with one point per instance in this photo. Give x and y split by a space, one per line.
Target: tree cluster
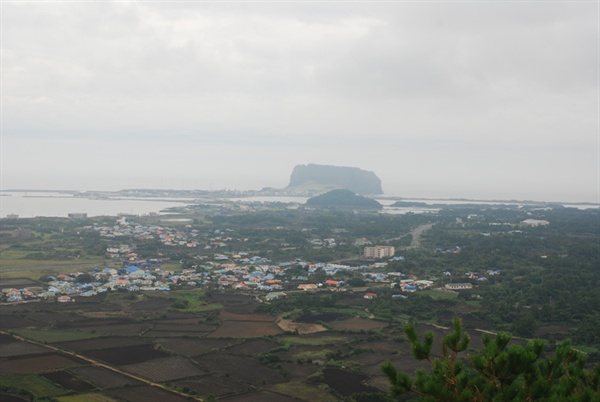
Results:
501 371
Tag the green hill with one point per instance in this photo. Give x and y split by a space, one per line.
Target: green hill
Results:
342 199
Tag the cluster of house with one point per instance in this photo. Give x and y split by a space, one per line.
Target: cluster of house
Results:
167 236
246 273
451 250
476 276
323 242
535 222
239 271
12 295
190 237
60 293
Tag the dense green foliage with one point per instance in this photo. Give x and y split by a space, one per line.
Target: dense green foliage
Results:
499 372
342 199
549 275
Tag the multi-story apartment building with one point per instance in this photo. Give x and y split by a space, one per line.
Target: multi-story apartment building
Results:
379 252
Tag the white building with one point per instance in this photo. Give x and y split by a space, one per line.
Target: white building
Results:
458 286
535 222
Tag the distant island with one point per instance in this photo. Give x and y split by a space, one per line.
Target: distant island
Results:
342 199
410 204
322 178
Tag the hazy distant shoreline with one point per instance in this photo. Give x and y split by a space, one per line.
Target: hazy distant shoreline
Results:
174 194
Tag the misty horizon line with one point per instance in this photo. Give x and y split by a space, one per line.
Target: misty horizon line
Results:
384 195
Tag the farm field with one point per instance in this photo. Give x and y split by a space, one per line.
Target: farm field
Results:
193 347
68 381
86 397
245 329
103 378
164 369
9 347
237 355
38 364
358 324
144 394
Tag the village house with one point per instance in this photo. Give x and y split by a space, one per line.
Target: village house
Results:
362 241
534 222
458 286
274 296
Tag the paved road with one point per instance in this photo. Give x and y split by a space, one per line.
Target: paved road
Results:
417 232
416 235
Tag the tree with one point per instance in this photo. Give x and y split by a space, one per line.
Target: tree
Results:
358 282
499 372
181 304
85 278
320 275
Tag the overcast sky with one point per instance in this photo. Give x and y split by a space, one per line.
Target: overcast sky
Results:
491 100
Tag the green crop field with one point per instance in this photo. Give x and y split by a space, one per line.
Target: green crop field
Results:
86 398
313 355
11 258
17 264
302 391
189 301
320 341
33 384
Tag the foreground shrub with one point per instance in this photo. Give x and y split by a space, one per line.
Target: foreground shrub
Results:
498 372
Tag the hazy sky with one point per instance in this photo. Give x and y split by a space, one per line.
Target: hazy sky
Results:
439 99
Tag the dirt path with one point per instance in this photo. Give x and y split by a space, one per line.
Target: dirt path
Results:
103 365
